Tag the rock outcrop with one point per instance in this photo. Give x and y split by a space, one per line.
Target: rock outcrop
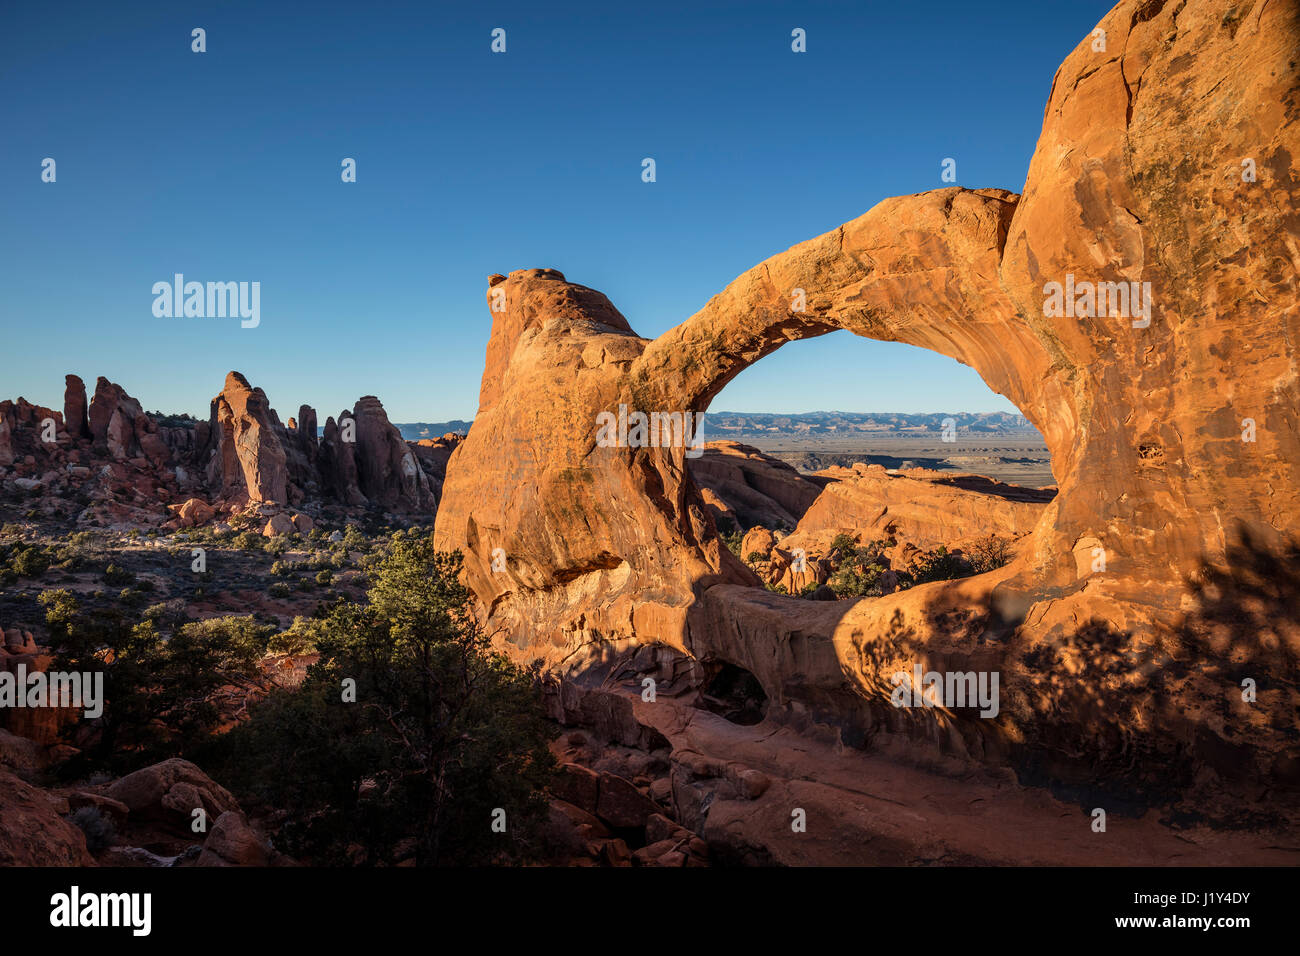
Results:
117 467
929 509
247 460
32 832
744 487
170 792
1172 432
338 460
75 419
388 471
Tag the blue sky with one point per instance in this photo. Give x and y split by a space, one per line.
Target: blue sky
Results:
225 166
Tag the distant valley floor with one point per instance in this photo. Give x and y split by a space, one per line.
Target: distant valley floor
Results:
1011 458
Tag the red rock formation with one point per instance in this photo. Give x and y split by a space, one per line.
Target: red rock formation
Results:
43 725
74 408
751 488
1137 176
928 508
248 461
388 472
338 461
243 456
112 417
32 832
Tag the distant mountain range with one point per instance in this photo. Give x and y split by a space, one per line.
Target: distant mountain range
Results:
414 431
836 424
745 424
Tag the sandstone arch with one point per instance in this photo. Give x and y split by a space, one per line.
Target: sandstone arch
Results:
1137 177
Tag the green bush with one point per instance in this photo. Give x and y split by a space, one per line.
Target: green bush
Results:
300 638
733 542
31 562
442 732
940 565
161 676
858 568
114 574
249 541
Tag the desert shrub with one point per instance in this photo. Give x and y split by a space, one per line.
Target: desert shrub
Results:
325 577
940 565
77 551
249 541
733 541
844 543
31 561
299 638
97 826
354 540
160 676
989 553
857 568
115 574
443 730
280 589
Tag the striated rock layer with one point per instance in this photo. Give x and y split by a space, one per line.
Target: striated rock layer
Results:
743 487
927 508
1153 584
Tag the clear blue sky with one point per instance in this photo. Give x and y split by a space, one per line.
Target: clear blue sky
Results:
225 166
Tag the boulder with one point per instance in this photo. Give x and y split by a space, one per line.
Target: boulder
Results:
232 842
32 833
170 792
621 804
278 524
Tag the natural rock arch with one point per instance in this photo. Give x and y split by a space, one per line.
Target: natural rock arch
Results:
581 552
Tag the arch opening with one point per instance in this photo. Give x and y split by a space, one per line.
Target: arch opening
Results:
732 693
830 505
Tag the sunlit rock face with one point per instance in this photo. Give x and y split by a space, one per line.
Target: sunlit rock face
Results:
1153 584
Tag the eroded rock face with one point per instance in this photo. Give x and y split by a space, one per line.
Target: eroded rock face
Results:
117 421
743 487
33 833
1137 176
248 461
388 471
927 508
74 408
338 462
